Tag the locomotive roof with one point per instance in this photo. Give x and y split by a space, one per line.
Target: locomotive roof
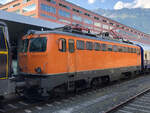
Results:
81 36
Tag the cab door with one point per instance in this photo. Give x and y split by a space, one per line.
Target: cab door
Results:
3 55
71 57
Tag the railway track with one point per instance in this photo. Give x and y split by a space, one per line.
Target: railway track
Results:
139 103
23 106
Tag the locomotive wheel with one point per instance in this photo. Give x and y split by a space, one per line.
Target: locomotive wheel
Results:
95 83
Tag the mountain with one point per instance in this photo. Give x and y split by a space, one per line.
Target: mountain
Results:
137 18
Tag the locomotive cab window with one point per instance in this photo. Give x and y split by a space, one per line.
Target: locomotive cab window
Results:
62 45
2 40
38 44
71 45
25 44
80 44
89 45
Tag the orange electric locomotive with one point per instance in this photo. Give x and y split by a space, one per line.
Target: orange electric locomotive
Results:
58 59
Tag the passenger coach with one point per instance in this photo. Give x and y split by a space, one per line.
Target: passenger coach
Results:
52 59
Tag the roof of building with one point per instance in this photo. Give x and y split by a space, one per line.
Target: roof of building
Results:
28 20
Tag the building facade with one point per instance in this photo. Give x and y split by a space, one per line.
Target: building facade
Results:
64 12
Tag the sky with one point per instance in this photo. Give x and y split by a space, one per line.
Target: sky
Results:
106 4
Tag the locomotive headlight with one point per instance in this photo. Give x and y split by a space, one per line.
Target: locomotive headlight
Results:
38 69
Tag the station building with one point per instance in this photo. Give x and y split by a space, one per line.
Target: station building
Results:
64 12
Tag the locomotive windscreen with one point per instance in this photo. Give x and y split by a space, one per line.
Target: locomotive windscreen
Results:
38 44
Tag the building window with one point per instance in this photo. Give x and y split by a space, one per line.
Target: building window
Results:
105 26
87 14
89 45
17 11
76 17
65 21
25 1
87 21
111 23
16 4
105 21
80 44
96 18
5 9
97 24
76 10
64 13
48 16
29 8
47 8
64 6
51 1
117 25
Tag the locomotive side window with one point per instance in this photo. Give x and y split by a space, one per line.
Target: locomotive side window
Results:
115 48
129 50
134 50
109 47
38 44
123 49
25 44
126 49
97 46
71 45
2 40
138 51
89 45
80 44
104 47
120 49
62 45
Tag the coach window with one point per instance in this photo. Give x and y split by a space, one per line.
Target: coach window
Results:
89 45
109 47
80 44
71 45
2 40
97 46
115 48
62 45
104 47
